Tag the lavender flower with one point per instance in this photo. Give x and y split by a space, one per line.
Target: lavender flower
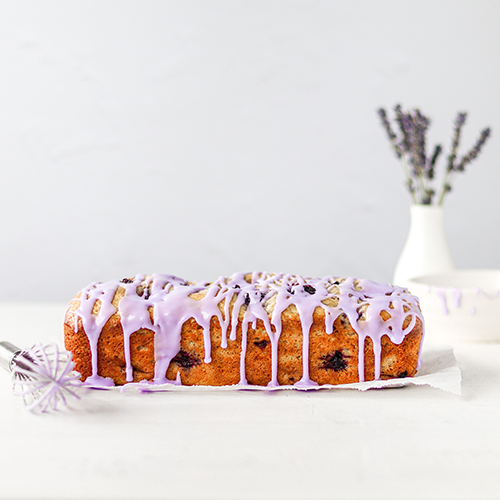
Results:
432 162
410 148
474 152
405 126
457 130
392 136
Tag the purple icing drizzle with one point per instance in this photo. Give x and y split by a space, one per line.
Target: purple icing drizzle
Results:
456 294
173 301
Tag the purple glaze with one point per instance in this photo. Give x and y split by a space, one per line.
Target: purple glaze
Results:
456 294
93 324
457 297
173 302
441 294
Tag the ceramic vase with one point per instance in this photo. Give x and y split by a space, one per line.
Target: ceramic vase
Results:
426 250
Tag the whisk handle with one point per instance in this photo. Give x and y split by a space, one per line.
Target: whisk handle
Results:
8 353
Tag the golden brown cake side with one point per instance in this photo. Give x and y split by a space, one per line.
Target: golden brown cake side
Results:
161 329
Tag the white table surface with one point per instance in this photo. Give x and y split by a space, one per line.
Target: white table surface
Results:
407 443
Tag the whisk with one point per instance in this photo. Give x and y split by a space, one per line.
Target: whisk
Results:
43 375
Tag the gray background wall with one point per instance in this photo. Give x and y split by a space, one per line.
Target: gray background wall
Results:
201 138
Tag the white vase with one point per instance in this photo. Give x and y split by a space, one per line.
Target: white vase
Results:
426 249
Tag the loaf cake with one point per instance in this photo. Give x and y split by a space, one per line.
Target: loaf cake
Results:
247 329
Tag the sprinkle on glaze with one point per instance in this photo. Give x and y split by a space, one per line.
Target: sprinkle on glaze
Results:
256 296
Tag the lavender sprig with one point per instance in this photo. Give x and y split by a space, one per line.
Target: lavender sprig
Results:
392 136
474 152
432 162
457 130
453 165
410 148
413 158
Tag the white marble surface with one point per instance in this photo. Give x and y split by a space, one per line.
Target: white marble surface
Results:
409 443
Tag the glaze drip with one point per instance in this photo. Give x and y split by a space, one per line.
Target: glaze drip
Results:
163 303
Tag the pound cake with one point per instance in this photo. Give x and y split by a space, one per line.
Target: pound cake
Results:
247 329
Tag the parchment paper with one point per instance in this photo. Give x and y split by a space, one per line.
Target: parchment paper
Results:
439 369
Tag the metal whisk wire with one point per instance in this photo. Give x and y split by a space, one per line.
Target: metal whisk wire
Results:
43 376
